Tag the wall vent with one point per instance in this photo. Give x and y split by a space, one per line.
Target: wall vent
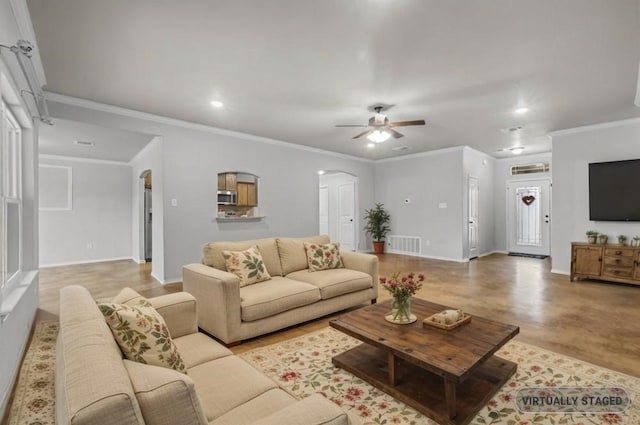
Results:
539 167
404 244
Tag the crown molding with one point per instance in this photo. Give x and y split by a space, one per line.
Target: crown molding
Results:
592 127
45 157
130 113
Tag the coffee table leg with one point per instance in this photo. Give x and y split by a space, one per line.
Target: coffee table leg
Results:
450 395
393 362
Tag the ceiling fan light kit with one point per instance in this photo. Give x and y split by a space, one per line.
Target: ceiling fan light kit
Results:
379 136
381 129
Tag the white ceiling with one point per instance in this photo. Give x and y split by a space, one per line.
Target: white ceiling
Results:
107 143
291 70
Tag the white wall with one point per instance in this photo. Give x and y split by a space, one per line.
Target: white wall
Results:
572 153
193 155
149 158
98 227
428 180
502 177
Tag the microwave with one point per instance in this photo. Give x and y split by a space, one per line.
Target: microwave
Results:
227 197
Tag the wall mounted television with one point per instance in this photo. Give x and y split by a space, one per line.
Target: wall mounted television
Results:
614 191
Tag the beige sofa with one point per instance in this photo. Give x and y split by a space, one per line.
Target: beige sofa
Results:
96 386
293 294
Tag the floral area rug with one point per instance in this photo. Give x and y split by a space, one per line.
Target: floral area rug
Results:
34 397
303 366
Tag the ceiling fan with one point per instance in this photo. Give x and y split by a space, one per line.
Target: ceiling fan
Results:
381 129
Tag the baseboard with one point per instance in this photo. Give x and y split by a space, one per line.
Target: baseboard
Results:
73 263
493 252
556 271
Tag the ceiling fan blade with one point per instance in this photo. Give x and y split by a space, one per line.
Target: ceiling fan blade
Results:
352 125
406 123
362 134
395 134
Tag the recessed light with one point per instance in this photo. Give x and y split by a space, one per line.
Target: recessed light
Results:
520 111
371 145
321 172
84 143
517 150
217 104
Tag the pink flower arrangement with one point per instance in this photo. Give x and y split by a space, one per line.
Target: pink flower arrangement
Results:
402 286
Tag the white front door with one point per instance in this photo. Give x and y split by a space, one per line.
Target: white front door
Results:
528 216
473 216
346 216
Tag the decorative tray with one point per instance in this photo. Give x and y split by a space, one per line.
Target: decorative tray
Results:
433 321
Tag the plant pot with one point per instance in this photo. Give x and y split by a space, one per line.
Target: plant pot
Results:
602 239
378 247
592 239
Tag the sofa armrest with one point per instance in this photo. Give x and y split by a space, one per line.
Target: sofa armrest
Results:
179 311
218 295
366 263
313 410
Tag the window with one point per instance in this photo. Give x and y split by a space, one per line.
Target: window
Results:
11 196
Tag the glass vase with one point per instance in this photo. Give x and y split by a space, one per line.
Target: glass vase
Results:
401 311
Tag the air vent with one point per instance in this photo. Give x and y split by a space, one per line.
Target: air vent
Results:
514 129
84 143
540 167
400 148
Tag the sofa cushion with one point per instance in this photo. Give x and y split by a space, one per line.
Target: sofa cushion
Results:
198 348
274 296
166 397
255 409
313 410
213 257
293 256
323 256
334 282
142 335
227 383
247 264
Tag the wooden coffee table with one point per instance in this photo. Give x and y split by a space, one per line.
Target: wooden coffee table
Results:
448 375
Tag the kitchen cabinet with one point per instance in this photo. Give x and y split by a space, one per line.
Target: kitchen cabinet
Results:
227 181
247 196
615 263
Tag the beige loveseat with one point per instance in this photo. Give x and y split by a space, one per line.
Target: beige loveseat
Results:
293 294
96 386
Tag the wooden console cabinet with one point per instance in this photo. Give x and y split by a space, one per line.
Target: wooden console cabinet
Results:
615 263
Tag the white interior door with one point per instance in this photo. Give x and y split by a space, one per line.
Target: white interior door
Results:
473 216
528 216
324 210
346 216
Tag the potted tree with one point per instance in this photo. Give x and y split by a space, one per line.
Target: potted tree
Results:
377 226
622 239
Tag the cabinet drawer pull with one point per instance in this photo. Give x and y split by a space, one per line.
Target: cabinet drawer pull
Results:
618 252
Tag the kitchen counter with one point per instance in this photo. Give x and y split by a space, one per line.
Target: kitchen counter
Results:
231 218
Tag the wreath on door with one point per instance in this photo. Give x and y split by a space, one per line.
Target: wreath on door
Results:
528 199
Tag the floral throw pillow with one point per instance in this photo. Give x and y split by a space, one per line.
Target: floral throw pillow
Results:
323 256
247 265
142 334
